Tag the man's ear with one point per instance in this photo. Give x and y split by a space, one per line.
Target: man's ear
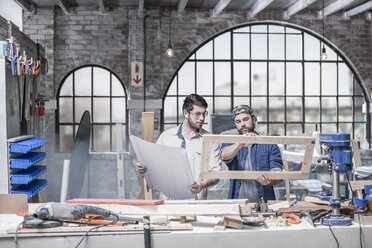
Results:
184 113
254 119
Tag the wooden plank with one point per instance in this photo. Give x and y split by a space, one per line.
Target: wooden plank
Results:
205 157
148 135
357 185
232 201
83 229
287 183
356 154
298 140
164 209
306 164
134 202
253 175
120 161
13 203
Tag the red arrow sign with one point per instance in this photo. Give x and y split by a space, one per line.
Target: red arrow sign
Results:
137 80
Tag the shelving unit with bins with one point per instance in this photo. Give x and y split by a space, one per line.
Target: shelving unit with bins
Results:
23 165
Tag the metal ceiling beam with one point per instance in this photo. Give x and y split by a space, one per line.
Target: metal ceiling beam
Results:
101 5
141 4
296 7
181 6
336 6
357 10
64 6
25 5
221 5
258 6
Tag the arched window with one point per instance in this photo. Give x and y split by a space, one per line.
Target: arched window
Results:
277 70
98 90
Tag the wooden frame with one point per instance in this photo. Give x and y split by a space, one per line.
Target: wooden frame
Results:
309 142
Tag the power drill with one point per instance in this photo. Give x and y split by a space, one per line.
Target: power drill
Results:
53 214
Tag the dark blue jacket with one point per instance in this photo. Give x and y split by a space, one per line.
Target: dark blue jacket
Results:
264 157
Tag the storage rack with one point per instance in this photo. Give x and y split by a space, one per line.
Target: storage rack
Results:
23 168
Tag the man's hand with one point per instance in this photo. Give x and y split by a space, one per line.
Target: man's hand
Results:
196 187
265 180
141 168
249 134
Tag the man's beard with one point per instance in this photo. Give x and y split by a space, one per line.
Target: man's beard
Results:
245 130
195 124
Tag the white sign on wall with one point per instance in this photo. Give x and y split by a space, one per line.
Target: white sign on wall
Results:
137 74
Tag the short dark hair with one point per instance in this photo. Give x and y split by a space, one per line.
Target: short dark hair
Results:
193 99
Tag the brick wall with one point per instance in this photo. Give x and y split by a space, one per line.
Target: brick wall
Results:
114 39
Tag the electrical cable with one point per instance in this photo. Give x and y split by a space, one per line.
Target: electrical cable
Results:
334 236
360 224
16 234
96 227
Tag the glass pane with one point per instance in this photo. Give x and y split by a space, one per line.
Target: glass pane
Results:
170 109
204 80
329 109
81 105
312 47
113 137
294 79
312 79
331 55
259 106
276 111
241 78
243 29
259 78
276 29
206 51
83 81
180 111
259 46
222 105
66 89
276 46
192 56
66 138
117 87
294 129
276 78
101 136
222 45
101 109
261 128
345 128
186 79
312 109
241 101
359 135
310 128
101 82
210 105
259 28
118 110
329 79
172 90
358 103
294 107
241 46
294 47
345 80
222 78
345 109
292 31
65 110
276 129
329 128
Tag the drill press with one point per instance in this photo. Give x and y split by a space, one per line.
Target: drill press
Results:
337 151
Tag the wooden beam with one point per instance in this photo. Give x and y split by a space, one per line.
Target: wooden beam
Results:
148 135
296 7
253 175
359 9
181 6
297 140
356 154
258 6
141 4
220 6
102 6
358 185
64 6
336 6
25 5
